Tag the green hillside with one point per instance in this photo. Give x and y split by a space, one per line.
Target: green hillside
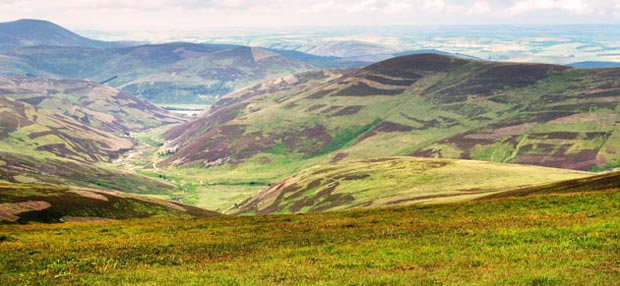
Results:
381 182
40 203
423 105
28 130
68 132
601 182
551 239
72 119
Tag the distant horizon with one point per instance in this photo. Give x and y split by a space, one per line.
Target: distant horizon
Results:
183 15
555 44
74 28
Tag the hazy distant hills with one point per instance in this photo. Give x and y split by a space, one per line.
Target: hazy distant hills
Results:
207 77
360 53
171 73
167 73
27 32
423 105
595 65
353 51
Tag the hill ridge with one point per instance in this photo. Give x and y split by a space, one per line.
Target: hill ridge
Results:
423 105
33 32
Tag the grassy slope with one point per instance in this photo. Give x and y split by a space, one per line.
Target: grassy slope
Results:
92 104
395 181
430 106
40 203
555 239
67 132
21 168
41 132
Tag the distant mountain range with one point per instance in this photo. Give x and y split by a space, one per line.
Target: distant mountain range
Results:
168 73
172 73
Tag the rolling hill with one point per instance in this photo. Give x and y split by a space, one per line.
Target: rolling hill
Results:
173 73
29 32
20 203
424 105
208 77
382 182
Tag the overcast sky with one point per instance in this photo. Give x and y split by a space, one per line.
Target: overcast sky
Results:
128 15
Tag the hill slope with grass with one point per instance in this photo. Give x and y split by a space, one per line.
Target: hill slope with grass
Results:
551 239
423 105
396 181
40 203
92 104
28 130
72 119
67 132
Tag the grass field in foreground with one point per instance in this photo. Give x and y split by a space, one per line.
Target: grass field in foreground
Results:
555 239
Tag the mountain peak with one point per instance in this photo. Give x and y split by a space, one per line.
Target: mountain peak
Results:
33 32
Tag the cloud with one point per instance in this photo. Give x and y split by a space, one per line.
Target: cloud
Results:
571 6
398 6
198 14
321 6
480 8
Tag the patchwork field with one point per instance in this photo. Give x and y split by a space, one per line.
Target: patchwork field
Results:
550 239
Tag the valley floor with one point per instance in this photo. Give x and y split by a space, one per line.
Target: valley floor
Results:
552 239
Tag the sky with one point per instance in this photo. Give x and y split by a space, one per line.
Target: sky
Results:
127 15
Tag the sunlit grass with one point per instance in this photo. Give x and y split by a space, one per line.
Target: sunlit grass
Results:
569 239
